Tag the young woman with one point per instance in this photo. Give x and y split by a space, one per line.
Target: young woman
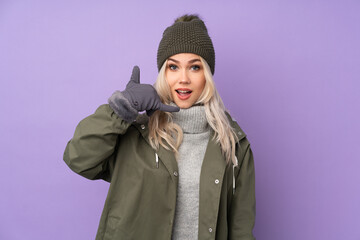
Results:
183 170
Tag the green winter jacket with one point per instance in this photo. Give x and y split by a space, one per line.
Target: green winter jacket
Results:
143 183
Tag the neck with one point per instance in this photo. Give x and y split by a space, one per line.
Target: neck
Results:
191 120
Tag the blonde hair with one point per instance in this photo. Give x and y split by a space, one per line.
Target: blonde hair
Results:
161 126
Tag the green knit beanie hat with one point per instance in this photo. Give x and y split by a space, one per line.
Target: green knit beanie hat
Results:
188 34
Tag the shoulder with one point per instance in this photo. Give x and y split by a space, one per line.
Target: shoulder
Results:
105 108
243 144
233 123
104 114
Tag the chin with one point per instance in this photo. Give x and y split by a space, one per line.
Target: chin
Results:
183 104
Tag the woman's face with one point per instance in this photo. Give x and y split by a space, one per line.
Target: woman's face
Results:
185 76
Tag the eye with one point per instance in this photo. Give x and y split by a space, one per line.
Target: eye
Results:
195 67
172 67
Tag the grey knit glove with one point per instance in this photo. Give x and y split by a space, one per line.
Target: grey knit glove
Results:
136 98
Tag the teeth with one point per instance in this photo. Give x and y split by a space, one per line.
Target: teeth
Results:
182 91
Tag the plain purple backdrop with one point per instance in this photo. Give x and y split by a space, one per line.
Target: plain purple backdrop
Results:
288 71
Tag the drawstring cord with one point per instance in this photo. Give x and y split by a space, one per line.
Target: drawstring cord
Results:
157 160
237 163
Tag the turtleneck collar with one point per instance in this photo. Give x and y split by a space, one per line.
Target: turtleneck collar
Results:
191 120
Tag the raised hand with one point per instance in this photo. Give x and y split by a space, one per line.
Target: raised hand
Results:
142 97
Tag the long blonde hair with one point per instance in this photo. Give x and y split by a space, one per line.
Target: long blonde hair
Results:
161 126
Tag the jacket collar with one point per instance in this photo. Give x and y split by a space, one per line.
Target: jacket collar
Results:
143 120
239 132
213 150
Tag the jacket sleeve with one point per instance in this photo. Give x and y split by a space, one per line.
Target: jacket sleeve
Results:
243 204
91 151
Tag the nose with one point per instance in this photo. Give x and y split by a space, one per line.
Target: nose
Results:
184 78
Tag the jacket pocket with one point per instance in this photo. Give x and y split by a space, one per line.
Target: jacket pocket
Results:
114 230
112 224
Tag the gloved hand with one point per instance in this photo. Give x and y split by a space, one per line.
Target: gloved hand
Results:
136 98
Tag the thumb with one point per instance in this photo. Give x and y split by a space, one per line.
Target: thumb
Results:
168 108
135 76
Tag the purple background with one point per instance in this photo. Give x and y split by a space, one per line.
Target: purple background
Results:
288 71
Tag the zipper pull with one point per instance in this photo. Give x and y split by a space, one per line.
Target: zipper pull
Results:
157 160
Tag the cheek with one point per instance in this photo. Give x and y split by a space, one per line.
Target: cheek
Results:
201 85
170 80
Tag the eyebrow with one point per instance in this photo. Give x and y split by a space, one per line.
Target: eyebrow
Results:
191 61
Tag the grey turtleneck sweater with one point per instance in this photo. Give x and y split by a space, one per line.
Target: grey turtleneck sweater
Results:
191 154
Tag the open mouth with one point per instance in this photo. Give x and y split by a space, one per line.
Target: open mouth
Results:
183 91
183 94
